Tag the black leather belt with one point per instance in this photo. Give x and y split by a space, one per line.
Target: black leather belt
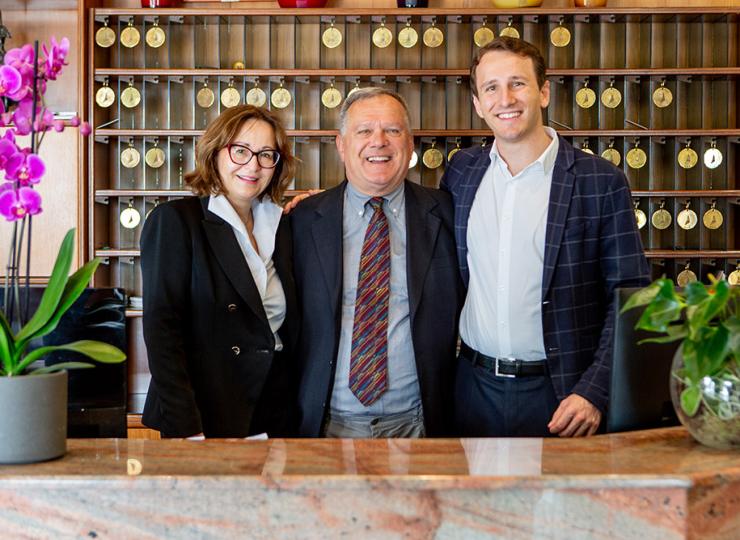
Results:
504 367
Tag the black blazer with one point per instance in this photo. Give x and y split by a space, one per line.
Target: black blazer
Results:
435 296
210 347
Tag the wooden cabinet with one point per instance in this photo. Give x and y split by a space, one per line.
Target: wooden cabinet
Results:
642 58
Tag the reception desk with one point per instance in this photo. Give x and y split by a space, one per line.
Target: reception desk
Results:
655 484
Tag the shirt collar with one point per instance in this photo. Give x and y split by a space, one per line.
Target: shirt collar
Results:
357 201
546 161
265 213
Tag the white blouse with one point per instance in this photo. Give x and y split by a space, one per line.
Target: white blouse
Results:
266 215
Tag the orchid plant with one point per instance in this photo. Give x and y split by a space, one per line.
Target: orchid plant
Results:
23 81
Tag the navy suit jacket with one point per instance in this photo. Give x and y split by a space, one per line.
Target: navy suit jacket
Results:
592 247
435 300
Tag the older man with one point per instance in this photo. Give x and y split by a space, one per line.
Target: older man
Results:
377 278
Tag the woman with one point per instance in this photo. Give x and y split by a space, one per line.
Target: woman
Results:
219 297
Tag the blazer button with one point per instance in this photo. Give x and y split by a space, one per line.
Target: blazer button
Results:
231 307
236 350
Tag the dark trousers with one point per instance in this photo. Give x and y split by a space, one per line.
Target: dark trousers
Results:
491 406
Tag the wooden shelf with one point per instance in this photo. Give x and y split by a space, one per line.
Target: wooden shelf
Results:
691 254
668 12
649 253
446 133
349 72
703 193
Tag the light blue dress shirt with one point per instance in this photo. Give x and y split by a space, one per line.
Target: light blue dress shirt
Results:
403 393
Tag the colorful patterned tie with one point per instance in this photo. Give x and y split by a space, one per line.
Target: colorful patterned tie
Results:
368 366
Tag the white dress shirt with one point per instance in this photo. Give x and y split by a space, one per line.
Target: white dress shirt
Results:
502 315
266 216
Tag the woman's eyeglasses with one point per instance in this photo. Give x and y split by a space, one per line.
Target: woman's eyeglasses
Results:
241 155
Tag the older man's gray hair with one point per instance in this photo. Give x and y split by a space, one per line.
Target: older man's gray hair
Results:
367 93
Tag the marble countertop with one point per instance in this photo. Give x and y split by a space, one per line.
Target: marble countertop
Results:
647 485
655 453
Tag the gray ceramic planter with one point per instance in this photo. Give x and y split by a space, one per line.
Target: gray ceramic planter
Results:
33 417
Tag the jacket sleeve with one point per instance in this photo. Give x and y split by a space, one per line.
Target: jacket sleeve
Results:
623 264
166 260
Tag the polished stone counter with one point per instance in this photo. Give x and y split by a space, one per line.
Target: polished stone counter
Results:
649 484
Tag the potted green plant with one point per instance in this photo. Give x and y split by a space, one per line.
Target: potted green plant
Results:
33 397
705 375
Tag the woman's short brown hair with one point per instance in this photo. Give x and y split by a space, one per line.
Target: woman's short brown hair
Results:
205 180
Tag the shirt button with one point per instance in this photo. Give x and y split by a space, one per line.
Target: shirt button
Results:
231 307
236 350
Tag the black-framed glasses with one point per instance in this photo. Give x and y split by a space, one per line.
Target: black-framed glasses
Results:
241 155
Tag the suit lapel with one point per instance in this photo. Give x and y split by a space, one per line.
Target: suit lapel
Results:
422 228
229 255
468 188
327 236
561 191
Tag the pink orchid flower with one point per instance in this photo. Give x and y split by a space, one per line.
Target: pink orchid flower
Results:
24 112
7 149
55 58
25 168
10 80
16 204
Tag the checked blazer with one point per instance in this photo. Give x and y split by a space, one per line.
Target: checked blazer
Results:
592 247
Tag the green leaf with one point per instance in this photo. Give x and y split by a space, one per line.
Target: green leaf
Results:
659 314
675 332
716 350
7 357
642 297
60 366
53 292
690 399
733 326
73 289
97 350
690 360
695 292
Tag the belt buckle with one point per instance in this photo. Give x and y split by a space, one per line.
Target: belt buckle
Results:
498 373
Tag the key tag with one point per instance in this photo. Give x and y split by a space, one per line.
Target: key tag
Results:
640 216
611 154
636 157
382 36
408 36
509 30
662 96
713 156
686 276
687 218
688 158
332 37
661 218
611 97
130 217
713 218
734 277
205 96
433 36
560 35
453 151
585 97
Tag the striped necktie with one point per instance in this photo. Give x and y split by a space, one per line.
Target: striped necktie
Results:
368 367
